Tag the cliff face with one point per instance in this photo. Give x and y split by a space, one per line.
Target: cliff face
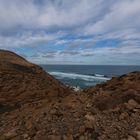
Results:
35 106
22 81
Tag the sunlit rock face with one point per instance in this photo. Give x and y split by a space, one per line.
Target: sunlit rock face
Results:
22 81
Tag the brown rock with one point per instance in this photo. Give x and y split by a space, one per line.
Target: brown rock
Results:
138 135
82 129
90 122
29 125
132 104
10 134
68 137
54 137
82 138
90 117
89 105
123 116
25 136
131 138
24 82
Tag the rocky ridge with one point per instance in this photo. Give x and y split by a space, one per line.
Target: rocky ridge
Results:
35 106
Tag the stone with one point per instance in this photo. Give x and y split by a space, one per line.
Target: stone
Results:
53 111
90 120
64 137
133 133
131 104
123 116
54 137
138 135
82 129
68 137
29 125
88 124
25 136
89 105
90 117
131 138
82 138
12 133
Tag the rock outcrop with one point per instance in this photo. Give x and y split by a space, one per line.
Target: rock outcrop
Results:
22 81
35 106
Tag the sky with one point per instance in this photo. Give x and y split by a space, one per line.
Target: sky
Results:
85 32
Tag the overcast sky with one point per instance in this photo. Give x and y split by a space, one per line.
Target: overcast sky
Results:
72 31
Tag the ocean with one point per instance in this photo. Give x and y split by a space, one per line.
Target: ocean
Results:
83 76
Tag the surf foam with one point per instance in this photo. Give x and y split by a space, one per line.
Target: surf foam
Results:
62 75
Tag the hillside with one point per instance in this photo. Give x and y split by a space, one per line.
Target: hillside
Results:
35 106
22 81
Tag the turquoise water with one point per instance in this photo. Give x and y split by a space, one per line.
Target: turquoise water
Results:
83 76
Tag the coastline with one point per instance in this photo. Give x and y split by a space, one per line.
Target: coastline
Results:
35 105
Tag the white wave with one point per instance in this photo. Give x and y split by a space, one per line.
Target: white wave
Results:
61 75
99 75
76 88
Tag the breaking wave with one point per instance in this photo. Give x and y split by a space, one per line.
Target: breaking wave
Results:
61 75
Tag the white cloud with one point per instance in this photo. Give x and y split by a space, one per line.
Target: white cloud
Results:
17 13
123 15
118 50
106 55
72 23
28 14
28 39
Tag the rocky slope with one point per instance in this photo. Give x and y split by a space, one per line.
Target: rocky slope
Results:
35 106
24 82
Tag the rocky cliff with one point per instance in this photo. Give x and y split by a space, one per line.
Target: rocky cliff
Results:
35 106
22 81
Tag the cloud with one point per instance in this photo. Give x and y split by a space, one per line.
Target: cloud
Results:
28 39
106 55
50 54
118 50
123 15
33 14
72 30
17 13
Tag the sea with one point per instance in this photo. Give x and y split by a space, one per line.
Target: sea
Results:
83 76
